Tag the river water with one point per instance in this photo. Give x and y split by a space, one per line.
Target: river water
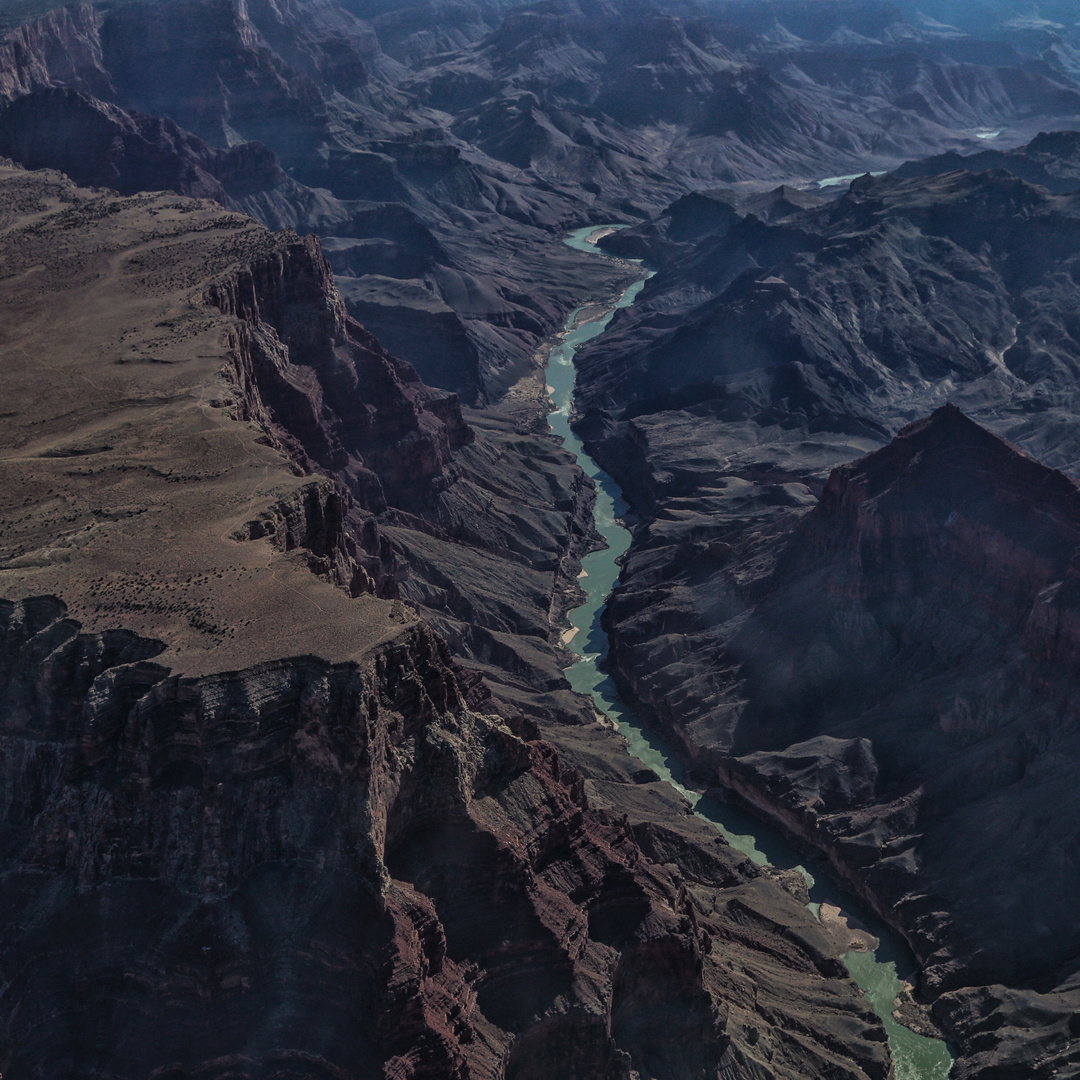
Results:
880 972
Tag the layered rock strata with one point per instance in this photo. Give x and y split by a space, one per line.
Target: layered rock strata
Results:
444 170
303 127
912 683
256 821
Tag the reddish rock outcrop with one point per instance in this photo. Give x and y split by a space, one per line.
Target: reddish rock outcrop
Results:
328 390
315 870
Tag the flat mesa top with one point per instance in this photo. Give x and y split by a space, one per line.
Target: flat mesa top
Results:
125 469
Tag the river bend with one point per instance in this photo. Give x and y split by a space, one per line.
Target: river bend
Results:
881 972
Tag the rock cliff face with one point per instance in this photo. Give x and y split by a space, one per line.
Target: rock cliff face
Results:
334 396
308 869
514 126
63 46
255 820
101 145
191 864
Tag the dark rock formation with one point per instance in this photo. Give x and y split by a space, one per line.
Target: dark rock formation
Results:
886 676
921 616
853 317
101 145
64 46
497 128
256 822
890 677
700 215
1051 160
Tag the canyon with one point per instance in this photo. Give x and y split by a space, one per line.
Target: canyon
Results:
295 783
258 821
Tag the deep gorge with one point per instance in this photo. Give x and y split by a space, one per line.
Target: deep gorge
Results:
301 776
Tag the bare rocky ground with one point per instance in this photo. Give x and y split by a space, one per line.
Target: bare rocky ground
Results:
227 473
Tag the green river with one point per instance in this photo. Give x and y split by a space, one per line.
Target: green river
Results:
880 972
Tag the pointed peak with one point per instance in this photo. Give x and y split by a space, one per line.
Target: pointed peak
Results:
949 428
947 454
946 431
947 417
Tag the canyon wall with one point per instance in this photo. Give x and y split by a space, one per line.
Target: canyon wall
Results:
256 820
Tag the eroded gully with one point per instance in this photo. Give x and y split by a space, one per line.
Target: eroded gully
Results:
881 971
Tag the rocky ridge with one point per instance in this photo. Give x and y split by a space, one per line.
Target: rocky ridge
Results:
1051 160
856 316
816 634
436 173
887 676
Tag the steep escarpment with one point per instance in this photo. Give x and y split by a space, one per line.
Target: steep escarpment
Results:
480 525
1051 160
101 145
63 45
205 859
309 869
338 399
208 349
889 676
518 509
256 820
294 116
